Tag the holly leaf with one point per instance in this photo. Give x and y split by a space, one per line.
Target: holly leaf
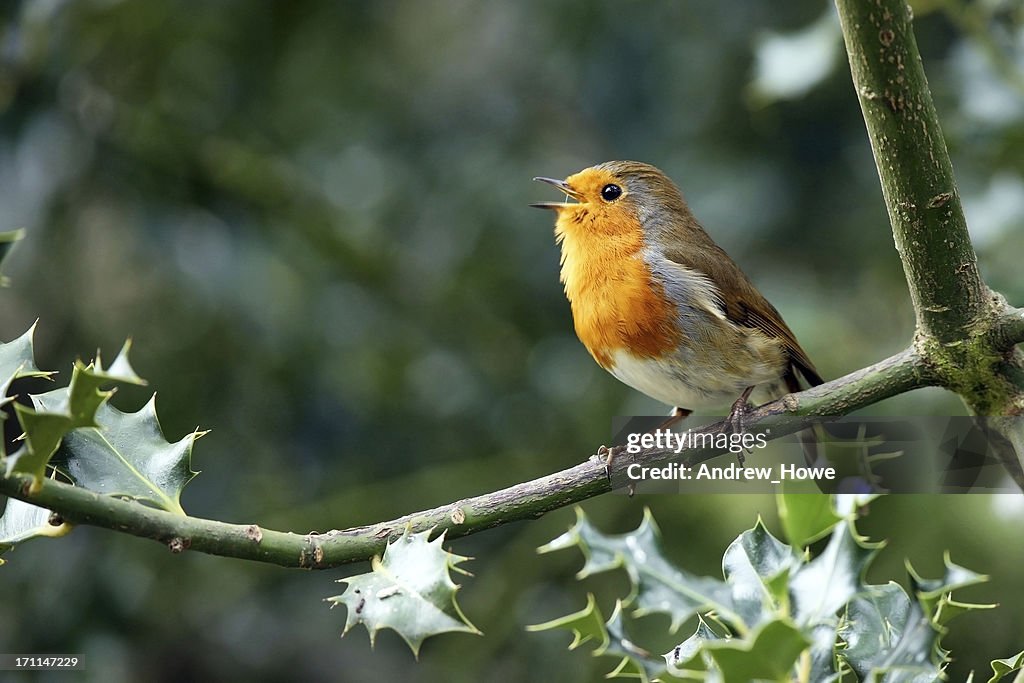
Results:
634 661
770 653
21 521
786 616
585 625
935 594
126 455
657 587
1001 667
756 567
888 636
408 590
806 517
690 658
99 447
17 359
58 412
7 240
588 625
821 587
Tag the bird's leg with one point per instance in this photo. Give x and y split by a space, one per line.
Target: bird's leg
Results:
675 416
740 408
608 454
737 415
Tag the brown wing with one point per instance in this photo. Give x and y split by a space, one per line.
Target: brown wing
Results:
746 306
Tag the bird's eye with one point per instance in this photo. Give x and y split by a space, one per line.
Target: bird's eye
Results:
610 192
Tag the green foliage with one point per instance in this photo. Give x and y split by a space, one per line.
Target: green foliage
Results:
778 614
73 430
408 590
1002 667
126 455
7 241
21 521
17 359
58 412
101 447
805 518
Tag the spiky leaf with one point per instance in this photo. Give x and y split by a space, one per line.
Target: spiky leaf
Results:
657 585
21 521
612 640
126 455
409 590
934 594
787 617
690 658
634 661
58 412
17 359
806 517
770 653
889 637
755 567
7 240
821 587
1001 667
585 625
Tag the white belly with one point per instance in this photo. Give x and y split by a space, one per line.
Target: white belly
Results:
691 386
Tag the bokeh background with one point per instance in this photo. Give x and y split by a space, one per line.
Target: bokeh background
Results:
311 218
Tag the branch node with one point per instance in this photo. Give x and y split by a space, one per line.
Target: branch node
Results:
458 516
254 533
179 544
791 402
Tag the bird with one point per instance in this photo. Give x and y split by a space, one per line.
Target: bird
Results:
659 304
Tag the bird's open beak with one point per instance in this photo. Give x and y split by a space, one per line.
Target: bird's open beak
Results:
561 185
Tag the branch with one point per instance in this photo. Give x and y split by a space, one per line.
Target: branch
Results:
1009 329
917 176
895 375
965 332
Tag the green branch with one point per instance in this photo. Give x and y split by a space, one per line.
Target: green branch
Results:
917 176
76 505
965 333
1009 330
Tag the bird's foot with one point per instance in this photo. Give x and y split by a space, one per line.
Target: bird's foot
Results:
734 422
607 455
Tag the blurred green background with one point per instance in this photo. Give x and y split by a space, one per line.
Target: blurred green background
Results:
312 219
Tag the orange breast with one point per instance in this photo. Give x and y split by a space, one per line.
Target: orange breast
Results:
616 304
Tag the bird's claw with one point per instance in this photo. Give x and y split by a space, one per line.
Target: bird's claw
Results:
734 422
608 455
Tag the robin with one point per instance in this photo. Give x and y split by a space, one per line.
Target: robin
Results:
658 304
